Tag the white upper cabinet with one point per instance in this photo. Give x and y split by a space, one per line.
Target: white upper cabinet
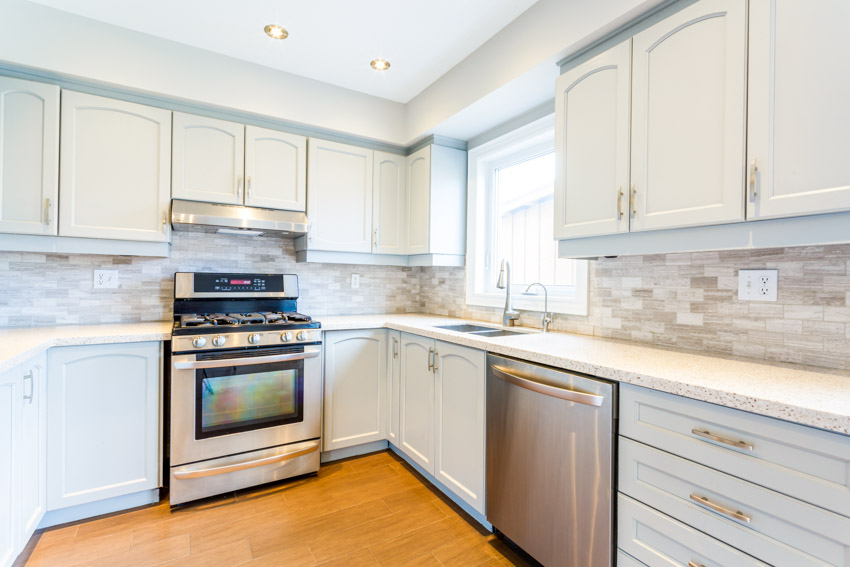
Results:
592 146
115 176
29 156
688 122
388 201
209 159
275 169
339 203
799 116
418 201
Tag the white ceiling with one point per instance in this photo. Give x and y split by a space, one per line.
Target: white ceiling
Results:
329 40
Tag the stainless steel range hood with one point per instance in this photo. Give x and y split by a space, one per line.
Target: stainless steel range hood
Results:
247 220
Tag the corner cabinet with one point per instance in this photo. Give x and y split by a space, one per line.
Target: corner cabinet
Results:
356 391
798 139
116 169
104 429
29 157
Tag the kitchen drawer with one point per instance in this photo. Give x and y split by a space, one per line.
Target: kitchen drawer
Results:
803 462
660 541
772 527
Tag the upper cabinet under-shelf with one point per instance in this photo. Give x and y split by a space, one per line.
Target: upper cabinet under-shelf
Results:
685 127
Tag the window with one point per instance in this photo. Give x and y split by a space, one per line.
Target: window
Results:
511 198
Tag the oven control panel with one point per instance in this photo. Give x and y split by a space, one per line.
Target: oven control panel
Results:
226 286
225 340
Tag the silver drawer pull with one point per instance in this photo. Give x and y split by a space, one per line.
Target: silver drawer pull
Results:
730 442
695 564
702 500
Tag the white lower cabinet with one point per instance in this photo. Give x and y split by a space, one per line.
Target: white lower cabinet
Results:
393 385
355 388
10 392
416 400
33 446
103 434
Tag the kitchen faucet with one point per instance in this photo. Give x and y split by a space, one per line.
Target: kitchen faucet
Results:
547 317
510 315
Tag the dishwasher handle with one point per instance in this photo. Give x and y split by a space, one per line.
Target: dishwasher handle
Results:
547 390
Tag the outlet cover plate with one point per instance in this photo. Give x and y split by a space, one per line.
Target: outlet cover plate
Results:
758 285
355 281
105 279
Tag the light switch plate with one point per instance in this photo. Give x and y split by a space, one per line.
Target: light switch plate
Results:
758 285
105 279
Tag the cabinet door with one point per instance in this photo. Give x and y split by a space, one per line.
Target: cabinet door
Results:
416 400
339 202
798 114
418 214
688 124
355 388
275 169
208 160
103 432
10 403
592 146
115 176
393 385
33 446
390 184
29 156
459 458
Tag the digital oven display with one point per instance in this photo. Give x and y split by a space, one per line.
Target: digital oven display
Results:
240 282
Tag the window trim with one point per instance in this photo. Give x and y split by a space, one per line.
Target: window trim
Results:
535 138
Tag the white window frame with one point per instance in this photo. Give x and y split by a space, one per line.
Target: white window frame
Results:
531 140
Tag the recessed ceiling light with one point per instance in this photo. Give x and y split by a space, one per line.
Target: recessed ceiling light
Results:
274 31
379 64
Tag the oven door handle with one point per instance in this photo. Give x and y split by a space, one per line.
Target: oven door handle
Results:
222 363
224 469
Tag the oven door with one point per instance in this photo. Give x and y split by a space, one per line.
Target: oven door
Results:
243 400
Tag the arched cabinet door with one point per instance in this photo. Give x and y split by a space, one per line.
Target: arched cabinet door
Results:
275 169
29 156
798 138
388 200
416 400
688 117
418 215
592 146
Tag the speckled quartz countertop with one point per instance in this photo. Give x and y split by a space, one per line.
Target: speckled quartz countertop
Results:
17 344
802 394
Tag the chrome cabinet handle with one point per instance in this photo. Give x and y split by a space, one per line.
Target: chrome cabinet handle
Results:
248 186
436 355
546 389
725 441
695 564
620 202
48 212
165 222
633 201
735 515
376 238
28 376
430 359
754 169
225 362
395 347
200 473
238 185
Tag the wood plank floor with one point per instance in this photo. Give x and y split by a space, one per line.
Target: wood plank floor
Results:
370 510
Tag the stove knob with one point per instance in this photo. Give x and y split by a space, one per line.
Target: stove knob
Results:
286 337
255 338
199 342
301 336
219 340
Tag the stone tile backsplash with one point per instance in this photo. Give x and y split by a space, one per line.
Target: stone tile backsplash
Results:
678 300
690 301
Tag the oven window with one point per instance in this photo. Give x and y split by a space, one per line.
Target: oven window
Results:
234 399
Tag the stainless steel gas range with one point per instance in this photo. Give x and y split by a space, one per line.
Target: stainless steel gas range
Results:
246 384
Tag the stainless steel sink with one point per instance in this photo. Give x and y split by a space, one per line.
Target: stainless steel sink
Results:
496 333
466 328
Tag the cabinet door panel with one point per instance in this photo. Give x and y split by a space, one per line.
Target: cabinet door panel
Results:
355 388
459 461
416 401
418 201
592 146
208 160
33 446
798 113
275 169
388 203
393 385
688 121
339 200
29 156
115 175
90 386
10 401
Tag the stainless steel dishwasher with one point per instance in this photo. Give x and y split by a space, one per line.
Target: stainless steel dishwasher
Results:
550 462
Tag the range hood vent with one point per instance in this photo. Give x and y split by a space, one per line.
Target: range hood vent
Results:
251 219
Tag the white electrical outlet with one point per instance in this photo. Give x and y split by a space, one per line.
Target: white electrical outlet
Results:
105 279
355 281
758 285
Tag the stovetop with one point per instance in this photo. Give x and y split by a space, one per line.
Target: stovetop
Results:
240 319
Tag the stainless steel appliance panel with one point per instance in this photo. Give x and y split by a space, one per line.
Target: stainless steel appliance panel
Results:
550 462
